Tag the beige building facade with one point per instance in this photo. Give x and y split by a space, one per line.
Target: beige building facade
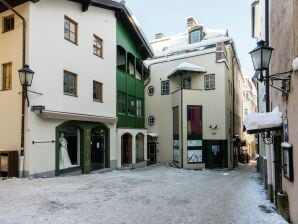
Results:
189 99
284 40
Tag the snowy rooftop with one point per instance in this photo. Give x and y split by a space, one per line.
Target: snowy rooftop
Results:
261 121
178 45
179 42
186 67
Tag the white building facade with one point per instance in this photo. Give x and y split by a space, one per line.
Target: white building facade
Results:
71 46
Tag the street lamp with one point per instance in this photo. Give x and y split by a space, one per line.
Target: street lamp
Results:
261 56
26 76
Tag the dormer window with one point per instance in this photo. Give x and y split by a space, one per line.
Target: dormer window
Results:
195 34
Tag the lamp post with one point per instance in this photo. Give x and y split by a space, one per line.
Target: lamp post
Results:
26 77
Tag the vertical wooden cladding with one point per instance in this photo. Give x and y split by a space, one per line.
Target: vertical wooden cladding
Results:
130 80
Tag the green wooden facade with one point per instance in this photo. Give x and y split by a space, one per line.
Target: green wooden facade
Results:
130 89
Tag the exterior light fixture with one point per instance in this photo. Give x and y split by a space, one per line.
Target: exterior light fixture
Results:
26 76
261 56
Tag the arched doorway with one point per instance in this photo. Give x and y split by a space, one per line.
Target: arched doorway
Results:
139 147
99 151
126 149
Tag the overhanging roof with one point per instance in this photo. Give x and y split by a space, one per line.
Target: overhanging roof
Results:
14 3
186 67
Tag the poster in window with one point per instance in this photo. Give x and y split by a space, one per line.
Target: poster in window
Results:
194 156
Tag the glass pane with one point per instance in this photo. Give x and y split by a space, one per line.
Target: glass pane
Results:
256 58
72 37
194 126
66 34
266 58
66 24
72 27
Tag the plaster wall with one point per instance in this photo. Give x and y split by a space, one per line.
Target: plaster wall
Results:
49 55
283 26
212 101
11 109
133 132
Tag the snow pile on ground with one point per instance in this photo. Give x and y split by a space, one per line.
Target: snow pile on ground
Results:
295 64
257 121
157 194
184 66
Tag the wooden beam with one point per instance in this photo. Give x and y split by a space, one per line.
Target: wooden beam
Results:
85 5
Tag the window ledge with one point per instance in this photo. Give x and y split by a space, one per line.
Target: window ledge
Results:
67 94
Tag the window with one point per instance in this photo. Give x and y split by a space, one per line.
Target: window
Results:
8 23
97 46
70 83
121 103
151 90
139 105
194 120
97 91
70 30
165 87
151 120
195 36
245 112
131 105
209 82
6 76
186 83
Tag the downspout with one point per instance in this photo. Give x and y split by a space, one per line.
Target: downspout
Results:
24 88
181 116
267 92
233 110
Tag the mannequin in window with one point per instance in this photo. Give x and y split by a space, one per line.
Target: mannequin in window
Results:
64 160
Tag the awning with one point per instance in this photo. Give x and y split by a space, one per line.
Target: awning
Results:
77 117
153 135
186 67
260 122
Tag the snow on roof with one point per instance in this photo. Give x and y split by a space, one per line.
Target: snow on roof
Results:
179 42
286 145
184 66
257 121
295 64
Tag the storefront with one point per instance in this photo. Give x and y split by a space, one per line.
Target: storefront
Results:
82 146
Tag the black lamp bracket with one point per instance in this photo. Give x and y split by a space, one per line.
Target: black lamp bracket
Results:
285 78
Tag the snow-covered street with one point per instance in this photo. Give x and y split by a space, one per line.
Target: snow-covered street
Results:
157 194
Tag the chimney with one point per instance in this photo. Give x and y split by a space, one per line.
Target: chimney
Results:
191 22
159 36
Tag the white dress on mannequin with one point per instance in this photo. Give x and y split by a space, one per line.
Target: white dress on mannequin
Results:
64 160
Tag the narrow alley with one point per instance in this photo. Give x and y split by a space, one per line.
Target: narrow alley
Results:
156 194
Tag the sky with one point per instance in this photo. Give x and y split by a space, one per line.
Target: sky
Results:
169 18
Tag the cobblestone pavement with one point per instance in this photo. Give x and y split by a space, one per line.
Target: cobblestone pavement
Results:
157 194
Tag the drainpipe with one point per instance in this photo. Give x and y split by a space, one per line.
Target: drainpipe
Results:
267 92
24 88
233 109
181 116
